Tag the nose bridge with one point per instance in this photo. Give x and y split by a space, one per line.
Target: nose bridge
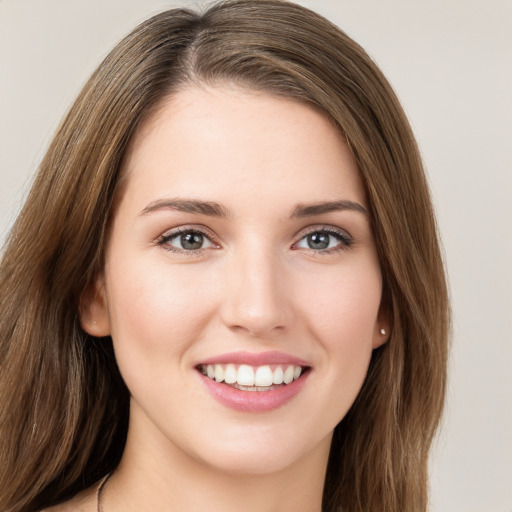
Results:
255 300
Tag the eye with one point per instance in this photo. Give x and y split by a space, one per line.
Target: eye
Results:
325 240
186 240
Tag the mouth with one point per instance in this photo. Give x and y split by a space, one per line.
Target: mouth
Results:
254 383
253 378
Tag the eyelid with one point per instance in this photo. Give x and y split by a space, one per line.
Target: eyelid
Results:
194 228
345 238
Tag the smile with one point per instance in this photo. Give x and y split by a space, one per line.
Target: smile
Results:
249 378
254 383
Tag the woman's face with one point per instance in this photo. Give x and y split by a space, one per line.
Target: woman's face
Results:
240 249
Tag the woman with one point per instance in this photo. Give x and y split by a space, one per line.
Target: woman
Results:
225 289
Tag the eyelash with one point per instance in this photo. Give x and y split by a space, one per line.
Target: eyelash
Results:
343 237
163 240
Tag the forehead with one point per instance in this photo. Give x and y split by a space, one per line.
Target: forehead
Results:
216 140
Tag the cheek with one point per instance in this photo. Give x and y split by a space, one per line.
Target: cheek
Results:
343 311
344 306
341 308
154 311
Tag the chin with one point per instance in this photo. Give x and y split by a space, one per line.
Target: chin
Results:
251 463
253 454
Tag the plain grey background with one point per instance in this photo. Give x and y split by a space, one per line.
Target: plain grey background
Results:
450 63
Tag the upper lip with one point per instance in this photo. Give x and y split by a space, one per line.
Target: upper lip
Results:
255 359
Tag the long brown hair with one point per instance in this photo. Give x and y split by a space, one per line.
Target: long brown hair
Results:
63 405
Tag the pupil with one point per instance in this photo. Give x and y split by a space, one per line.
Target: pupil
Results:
318 241
191 241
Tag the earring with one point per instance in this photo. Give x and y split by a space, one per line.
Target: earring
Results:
383 332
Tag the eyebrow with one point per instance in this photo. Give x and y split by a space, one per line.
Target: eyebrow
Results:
307 210
213 209
209 208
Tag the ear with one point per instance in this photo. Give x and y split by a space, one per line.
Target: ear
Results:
382 329
93 310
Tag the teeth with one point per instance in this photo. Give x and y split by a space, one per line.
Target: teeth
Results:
219 373
261 378
288 375
278 376
245 376
230 374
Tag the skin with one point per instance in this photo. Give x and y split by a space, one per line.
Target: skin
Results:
255 285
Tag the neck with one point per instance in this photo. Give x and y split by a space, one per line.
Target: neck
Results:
152 478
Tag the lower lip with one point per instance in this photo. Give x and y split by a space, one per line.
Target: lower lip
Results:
253 401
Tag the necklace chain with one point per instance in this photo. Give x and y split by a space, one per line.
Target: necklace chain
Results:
99 492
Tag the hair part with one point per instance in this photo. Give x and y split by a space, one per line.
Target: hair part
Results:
63 404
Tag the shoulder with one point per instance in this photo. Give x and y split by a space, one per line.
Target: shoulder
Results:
83 502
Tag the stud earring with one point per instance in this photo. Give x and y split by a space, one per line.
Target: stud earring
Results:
383 332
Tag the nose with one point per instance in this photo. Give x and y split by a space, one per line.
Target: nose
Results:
256 298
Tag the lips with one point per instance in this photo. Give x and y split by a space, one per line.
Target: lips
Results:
256 359
254 382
